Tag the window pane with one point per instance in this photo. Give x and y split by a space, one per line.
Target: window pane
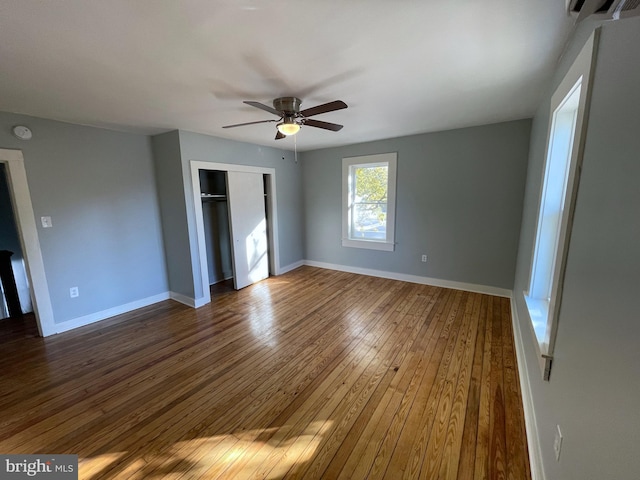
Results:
369 221
554 195
369 197
371 183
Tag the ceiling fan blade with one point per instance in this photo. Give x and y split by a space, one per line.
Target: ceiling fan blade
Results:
324 108
264 107
326 125
248 123
279 135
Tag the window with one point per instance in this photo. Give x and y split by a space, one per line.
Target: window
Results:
368 201
552 206
557 200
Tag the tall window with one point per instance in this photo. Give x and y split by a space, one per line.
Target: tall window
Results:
368 201
557 200
552 206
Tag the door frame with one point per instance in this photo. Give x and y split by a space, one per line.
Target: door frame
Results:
272 218
29 241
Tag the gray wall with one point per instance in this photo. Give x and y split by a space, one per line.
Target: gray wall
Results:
459 200
171 199
594 390
98 187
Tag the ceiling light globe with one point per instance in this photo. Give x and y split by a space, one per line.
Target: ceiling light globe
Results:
288 128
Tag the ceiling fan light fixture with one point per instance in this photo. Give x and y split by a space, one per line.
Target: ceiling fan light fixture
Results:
288 128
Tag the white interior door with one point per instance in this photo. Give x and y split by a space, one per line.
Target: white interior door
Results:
245 195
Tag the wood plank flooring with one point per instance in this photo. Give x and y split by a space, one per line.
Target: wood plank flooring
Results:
315 374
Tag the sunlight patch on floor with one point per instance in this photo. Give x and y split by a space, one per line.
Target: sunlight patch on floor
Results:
267 453
90 466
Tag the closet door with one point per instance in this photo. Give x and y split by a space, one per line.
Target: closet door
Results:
245 195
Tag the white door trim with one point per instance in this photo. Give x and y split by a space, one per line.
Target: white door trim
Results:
272 221
29 241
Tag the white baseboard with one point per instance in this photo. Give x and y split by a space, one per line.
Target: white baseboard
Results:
291 266
199 302
178 297
469 287
533 438
188 301
110 312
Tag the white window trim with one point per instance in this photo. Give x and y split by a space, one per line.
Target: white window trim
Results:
541 310
392 160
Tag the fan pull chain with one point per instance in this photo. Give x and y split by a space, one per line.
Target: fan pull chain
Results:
295 147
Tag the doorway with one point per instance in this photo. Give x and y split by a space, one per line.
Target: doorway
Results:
235 226
18 187
246 228
215 218
15 297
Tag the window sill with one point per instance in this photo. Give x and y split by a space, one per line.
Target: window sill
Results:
539 315
369 244
538 310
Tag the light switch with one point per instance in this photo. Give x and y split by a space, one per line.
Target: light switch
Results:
46 222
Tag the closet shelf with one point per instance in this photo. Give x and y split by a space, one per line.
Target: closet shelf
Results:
213 196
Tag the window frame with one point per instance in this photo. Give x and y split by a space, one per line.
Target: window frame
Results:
391 161
546 310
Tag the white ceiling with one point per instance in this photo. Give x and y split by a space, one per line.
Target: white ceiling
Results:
402 66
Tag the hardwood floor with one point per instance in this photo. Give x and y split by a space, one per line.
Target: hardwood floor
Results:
315 374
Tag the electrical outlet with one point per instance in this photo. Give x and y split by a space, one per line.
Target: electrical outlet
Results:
46 222
557 443
424 258
73 292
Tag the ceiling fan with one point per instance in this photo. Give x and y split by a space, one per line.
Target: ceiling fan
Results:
292 118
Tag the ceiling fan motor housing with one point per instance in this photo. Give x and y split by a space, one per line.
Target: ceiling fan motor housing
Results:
288 105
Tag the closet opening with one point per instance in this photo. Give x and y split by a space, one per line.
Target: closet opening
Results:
215 219
236 223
